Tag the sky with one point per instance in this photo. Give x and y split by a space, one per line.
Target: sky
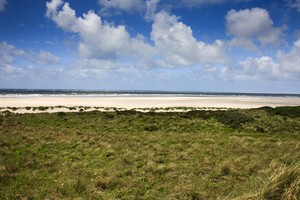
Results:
171 45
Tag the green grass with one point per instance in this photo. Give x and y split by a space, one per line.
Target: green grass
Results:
234 154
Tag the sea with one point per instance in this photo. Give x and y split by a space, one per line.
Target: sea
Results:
9 93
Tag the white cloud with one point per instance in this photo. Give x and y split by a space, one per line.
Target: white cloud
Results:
122 5
103 44
286 66
290 62
64 19
19 68
148 6
294 4
175 42
193 3
262 68
249 24
43 57
144 7
9 53
99 40
2 5
6 53
106 47
95 63
10 70
151 9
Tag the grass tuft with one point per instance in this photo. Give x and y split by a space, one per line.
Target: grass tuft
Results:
106 184
284 185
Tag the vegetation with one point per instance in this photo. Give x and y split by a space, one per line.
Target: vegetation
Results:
126 154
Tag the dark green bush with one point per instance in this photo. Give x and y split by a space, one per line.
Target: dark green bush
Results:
199 114
28 108
127 112
150 128
233 119
285 111
61 114
72 108
43 108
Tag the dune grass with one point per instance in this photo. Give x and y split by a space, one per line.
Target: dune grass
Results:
233 154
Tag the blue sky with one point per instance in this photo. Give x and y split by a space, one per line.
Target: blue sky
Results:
181 45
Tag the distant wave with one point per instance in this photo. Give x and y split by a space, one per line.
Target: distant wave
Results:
123 93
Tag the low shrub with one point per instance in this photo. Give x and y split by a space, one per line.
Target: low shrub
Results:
28 108
61 114
150 128
285 111
233 119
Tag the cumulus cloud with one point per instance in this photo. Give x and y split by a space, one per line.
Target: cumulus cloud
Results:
249 24
98 40
105 45
2 5
262 68
285 66
290 61
175 42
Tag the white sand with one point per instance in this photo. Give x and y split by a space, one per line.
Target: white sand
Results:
148 102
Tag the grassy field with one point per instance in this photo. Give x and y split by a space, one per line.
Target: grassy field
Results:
233 154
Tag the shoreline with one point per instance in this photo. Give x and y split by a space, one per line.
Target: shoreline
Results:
129 102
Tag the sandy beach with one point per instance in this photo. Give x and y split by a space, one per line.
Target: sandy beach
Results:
150 102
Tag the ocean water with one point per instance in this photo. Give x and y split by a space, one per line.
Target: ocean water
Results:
5 93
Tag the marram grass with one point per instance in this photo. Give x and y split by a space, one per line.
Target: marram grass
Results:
284 184
233 154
